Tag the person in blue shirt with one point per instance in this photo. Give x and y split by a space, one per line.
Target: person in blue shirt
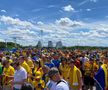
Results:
56 62
49 62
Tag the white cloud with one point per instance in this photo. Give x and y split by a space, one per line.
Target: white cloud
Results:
68 8
40 23
24 37
71 32
68 22
64 29
16 22
88 9
3 11
94 1
20 33
99 26
96 34
96 30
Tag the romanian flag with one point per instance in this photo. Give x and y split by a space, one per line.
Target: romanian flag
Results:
101 77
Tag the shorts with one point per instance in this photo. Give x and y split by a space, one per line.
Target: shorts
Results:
88 80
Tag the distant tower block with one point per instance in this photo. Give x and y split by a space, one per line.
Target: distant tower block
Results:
50 44
39 44
59 44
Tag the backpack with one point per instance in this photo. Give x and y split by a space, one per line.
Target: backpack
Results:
60 81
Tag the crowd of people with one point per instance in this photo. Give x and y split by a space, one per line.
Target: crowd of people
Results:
53 69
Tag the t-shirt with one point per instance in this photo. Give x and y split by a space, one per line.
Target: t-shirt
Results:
51 85
8 72
38 69
56 63
64 70
30 63
39 84
19 75
63 85
50 65
26 67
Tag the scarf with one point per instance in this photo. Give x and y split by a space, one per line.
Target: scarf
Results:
75 78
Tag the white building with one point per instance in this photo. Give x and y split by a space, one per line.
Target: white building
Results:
59 44
50 44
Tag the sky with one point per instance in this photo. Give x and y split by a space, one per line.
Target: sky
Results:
74 22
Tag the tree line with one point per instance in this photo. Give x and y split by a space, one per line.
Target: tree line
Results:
11 45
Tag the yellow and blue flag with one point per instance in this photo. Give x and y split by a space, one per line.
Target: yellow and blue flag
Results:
100 77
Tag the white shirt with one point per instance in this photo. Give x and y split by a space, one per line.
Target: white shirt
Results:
19 75
51 85
63 85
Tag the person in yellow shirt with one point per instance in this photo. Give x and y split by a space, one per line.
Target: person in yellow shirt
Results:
24 64
8 73
64 68
75 76
42 60
24 53
38 67
26 67
95 66
38 83
30 62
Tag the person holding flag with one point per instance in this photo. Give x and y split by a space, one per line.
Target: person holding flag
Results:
101 76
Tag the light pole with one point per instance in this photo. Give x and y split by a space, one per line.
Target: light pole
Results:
42 37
